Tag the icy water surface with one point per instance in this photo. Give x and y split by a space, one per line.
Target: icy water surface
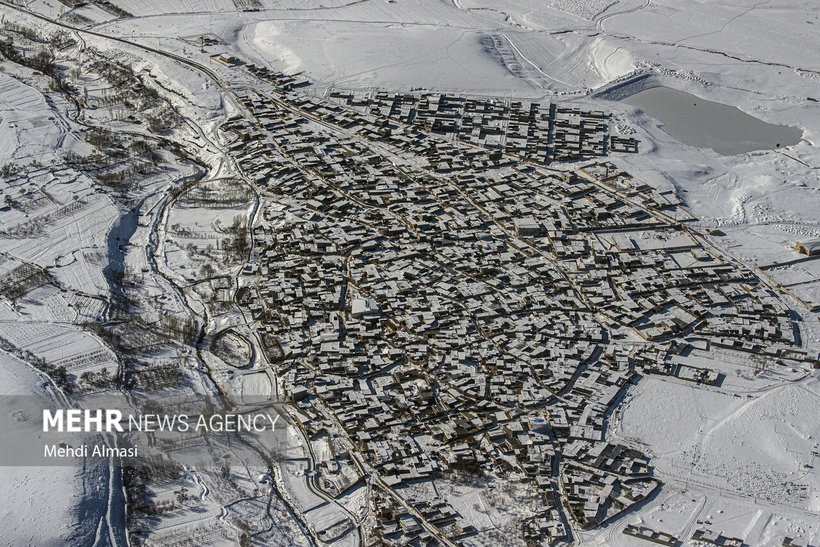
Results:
706 124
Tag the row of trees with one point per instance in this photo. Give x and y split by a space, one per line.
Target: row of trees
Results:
58 374
43 60
237 246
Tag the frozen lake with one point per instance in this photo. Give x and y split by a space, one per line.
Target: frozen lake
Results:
706 124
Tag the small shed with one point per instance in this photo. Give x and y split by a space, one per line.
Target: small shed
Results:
808 248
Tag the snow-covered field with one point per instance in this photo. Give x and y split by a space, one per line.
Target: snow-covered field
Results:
758 445
43 505
521 49
739 463
389 55
26 130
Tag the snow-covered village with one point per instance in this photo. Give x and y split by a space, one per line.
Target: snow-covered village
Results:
409 272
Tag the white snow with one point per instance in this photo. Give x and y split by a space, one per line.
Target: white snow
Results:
38 503
755 450
397 56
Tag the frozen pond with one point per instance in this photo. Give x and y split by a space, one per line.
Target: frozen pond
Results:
697 122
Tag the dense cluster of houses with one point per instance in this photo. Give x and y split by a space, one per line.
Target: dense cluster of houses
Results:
527 130
451 309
